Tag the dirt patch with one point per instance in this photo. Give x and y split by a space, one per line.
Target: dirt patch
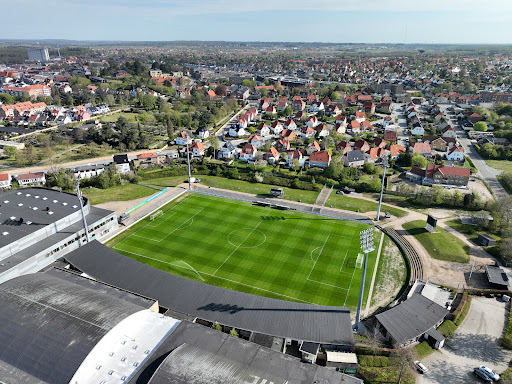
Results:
390 275
121 206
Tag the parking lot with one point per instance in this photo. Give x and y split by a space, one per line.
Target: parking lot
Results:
476 342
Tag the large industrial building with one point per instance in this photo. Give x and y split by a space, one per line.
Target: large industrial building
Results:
38 54
59 327
40 225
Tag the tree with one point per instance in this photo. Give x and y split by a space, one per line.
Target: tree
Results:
418 161
480 126
335 169
170 128
369 168
5 98
10 151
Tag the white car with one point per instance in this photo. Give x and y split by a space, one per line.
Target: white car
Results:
421 368
488 371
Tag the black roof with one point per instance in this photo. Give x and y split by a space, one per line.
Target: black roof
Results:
496 275
411 318
197 354
35 202
121 159
355 156
287 319
49 325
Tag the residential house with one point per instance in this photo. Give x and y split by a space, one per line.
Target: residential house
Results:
307 132
354 126
294 155
197 149
388 122
270 110
423 149
88 171
290 124
449 131
313 147
359 116
340 128
320 159
312 121
122 163
148 158
5 181
322 130
183 138
380 143
341 119
300 115
202 133
263 129
256 140
316 107
455 153
361 145
272 156
344 147
242 121
310 99
298 105
354 159
374 154
369 108
439 143
276 127
288 134
332 110
417 130
283 145
326 101
444 175
395 151
390 136
475 118
227 151
248 153
367 126
31 178
383 107
237 131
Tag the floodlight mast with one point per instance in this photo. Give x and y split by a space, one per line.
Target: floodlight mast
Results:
367 246
385 163
80 199
188 164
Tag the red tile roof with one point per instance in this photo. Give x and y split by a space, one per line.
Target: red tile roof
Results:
320 156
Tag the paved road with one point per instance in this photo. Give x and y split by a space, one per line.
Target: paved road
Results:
475 343
486 173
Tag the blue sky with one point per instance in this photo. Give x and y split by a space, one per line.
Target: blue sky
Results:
336 21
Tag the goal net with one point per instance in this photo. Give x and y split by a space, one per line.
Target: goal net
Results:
359 261
155 215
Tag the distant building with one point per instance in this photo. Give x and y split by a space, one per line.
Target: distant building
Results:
122 163
38 54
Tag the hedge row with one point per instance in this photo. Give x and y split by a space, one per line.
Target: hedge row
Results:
507 338
461 312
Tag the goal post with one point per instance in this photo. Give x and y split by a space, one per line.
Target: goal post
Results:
155 215
359 261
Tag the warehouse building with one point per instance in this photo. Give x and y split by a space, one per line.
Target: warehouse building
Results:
59 327
40 225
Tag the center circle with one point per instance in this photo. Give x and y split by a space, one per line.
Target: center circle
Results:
250 238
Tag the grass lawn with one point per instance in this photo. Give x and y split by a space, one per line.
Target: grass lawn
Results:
360 205
442 245
504 165
383 369
131 117
471 231
259 250
117 193
423 349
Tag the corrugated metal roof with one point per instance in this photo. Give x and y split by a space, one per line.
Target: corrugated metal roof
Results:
49 325
412 318
298 321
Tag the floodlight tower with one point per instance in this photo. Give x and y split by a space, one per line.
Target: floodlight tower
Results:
80 199
367 246
188 163
385 163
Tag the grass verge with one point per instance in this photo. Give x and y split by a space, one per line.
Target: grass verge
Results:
506 342
383 369
447 328
423 349
442 245
117 193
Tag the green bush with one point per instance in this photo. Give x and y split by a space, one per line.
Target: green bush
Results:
461 312
447 328
423 349
507 338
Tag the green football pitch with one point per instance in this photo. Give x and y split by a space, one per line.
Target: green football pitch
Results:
281 254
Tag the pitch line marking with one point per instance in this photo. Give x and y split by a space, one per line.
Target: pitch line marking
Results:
217 277
254 246
349 286
335 286
345 258
314 265
236 249
311 255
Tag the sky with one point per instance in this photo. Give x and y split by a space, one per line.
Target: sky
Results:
329 21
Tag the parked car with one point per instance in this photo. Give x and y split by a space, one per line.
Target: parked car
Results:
482 375
420 367
340 192
355 179
488 371
387 215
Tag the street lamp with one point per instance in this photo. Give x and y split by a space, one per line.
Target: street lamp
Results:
367 246
385 163
80 198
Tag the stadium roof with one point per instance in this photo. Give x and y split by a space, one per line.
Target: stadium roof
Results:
496 275
203 355
50 324
411 318
31 205
297 321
